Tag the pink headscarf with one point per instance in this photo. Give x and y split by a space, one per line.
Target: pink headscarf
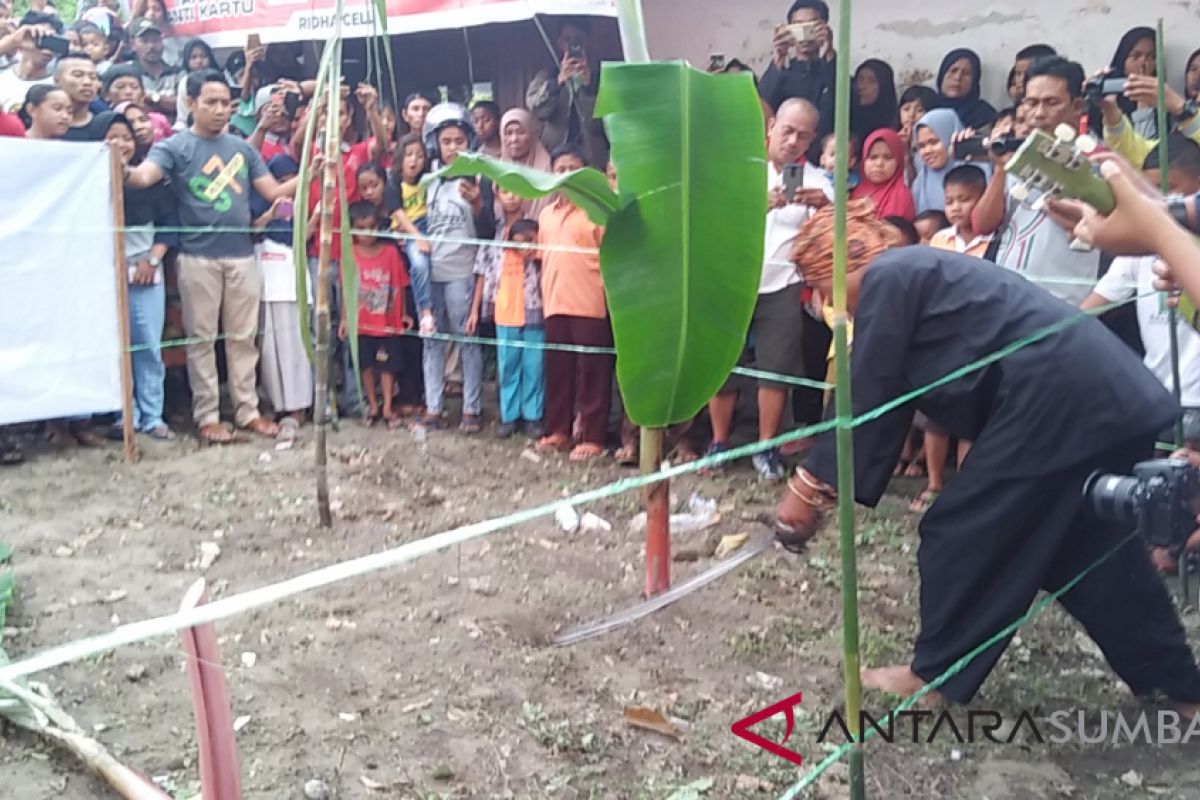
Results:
538 156
891 198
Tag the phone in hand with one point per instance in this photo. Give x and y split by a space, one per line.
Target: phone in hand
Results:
793 181
285 210
576 51
59 45
291 104
253 42
716 62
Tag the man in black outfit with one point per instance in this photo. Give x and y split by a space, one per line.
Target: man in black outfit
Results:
804 68
1014 521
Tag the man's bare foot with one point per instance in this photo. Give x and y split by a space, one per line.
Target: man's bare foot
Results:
900 681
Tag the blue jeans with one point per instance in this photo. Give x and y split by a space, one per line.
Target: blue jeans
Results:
451 307
147 314
522 389
418 272
350 399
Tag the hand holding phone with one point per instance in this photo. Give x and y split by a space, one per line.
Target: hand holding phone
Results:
793 181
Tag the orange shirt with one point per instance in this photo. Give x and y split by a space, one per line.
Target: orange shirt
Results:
571 282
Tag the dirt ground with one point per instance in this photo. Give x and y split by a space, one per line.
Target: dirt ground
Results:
438 679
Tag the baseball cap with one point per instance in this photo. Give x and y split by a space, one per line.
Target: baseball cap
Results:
141 26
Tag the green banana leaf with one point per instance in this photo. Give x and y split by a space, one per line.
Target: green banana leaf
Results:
586 188
682 261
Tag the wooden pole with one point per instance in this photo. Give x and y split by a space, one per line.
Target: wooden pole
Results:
117 168
322 349
851 660
657 497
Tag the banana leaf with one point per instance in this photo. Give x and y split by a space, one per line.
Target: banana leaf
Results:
682 261
586 188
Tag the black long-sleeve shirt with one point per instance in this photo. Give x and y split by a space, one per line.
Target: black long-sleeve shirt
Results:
923 313
814 81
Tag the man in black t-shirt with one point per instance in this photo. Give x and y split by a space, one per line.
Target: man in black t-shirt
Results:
76 75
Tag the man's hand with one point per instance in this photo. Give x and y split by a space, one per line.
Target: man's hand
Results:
274 114
254 55
813 198
472 324
1135 224
368 96
342 330
424 245
574 68
782 43
472 194
143 273
776 198
1143 89
406 323
825 40
1164 281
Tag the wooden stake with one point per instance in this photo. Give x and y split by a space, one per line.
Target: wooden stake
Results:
657 497
322 349
118 204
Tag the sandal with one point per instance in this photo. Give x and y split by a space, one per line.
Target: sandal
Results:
432 422
161 433
554 443
471 423
923 501
683 455
215 433
627 456
262 427
586 452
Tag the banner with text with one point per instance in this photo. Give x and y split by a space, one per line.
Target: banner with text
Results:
226 23
60 343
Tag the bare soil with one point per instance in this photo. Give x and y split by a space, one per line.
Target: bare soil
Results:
438 679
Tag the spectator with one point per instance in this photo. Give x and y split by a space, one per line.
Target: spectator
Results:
75 74
935 135
415 110
1032 242
11 125
459 212
915 103
485 115
908 232
958 84
411 218
33 63
829 160
563 98
156 12
1135 56
382 318
1016 76
928 224
777 325
964 186
8 25
143 128
521 145
94 43
211 173
145 248
382 151
508 292
273 131
197 57
123 84
1191 77
811 73
883 176
160 79
873 105
48 112
578 386
285 369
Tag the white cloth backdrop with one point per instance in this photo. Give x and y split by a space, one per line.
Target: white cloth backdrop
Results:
60 343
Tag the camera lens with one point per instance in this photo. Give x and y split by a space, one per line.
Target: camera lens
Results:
1114 497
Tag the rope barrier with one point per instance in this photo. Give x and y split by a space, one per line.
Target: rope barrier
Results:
306 582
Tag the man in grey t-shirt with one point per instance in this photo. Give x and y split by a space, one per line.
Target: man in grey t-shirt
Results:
212 173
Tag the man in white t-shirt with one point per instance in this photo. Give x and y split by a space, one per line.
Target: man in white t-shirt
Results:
776 330
33 63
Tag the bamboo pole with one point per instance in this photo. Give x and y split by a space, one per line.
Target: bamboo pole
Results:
657 497
845 435
322 349
122 269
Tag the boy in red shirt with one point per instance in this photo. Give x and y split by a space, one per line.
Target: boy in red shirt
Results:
382 316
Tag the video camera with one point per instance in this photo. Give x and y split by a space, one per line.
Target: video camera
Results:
978 148
1101 87
1160 499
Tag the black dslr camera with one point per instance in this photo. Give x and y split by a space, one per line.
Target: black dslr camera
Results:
1101 87
978 148
1160 499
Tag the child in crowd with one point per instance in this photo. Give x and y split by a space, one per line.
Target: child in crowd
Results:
94 43
382 317
283 363
197 57
883 176
965 185
908 231
829 159
928 223
577 385
508 290
411 164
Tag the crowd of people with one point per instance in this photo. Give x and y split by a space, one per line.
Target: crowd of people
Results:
213 149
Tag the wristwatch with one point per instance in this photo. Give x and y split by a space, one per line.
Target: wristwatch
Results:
154 97
154 261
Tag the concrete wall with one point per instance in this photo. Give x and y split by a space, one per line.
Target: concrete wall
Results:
913 35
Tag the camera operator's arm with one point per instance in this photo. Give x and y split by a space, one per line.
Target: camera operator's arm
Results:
991 209
1119 134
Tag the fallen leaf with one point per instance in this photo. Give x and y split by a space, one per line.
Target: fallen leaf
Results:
373 785
731 544
651 720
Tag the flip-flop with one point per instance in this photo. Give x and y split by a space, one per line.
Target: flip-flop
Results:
923 501
586 452
554 443
216 434
161 433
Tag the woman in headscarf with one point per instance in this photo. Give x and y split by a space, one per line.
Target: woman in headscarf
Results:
882 169
1191 77
873 105
959 90
197 57
1135 55
934 134
521 144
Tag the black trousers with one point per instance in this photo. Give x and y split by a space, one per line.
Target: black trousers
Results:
989 545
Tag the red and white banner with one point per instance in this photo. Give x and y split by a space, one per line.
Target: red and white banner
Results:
226 23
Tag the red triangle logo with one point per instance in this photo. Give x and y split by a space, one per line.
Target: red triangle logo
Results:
741 728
